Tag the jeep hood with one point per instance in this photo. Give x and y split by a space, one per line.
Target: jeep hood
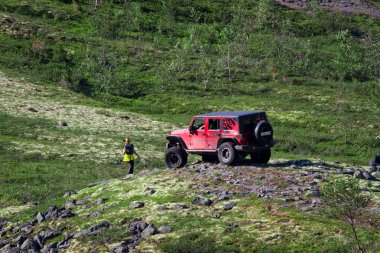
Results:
180 131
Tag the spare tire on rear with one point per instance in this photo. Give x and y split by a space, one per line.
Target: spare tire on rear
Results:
263 133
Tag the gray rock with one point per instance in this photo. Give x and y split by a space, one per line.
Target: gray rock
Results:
39 240
40 217
180 207
93 214
3 223
372 169
30 244
50 248
32 109
100 201
3 243
84 200
5 231
148 231
52 213
66 214
316 176
368 176
202 201
65 242
162 208
104 224
150 190
49 234
136 204
164 229
216 215
69 193
136 227
229 206
123 248
70 203
359 174
91 230
19 239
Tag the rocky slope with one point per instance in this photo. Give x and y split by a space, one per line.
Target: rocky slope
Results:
273 204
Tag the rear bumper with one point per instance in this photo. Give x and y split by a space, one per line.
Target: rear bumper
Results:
250 148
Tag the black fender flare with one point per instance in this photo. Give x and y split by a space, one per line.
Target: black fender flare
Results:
222 140
175 139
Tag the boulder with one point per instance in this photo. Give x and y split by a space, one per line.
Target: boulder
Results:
40 217
70 203
216 215
180 207
93 229
202 201
148 231
137 226
136 204
368 176
3 223
30 244
164 229
359 174
100 201
93 214
229 206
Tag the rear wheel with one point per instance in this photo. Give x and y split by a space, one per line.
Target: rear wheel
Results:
227 153
175 157
261 156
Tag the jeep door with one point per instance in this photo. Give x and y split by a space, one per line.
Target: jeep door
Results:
197 135
212 132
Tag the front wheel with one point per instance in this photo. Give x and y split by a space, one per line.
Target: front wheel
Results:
261 156
227 153
175 157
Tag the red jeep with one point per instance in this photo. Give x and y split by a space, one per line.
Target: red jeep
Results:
223 136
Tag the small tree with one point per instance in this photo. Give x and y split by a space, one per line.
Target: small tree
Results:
344 200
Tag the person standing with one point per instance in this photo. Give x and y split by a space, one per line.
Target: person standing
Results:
129 154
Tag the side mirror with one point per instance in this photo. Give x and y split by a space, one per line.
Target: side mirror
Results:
191 128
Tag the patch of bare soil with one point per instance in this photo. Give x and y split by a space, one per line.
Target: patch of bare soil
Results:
351 7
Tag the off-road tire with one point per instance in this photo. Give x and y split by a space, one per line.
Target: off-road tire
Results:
263 133
209 158
261 156
227 153
175 157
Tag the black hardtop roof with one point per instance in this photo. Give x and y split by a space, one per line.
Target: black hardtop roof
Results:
229 114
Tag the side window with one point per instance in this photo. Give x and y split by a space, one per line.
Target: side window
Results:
199 123
228 124
213 124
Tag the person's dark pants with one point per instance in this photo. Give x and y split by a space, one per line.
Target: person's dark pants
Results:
131 165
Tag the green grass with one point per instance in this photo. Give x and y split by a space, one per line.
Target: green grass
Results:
316 76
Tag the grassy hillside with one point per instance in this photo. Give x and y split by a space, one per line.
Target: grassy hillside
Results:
54 140
75 81
317 75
